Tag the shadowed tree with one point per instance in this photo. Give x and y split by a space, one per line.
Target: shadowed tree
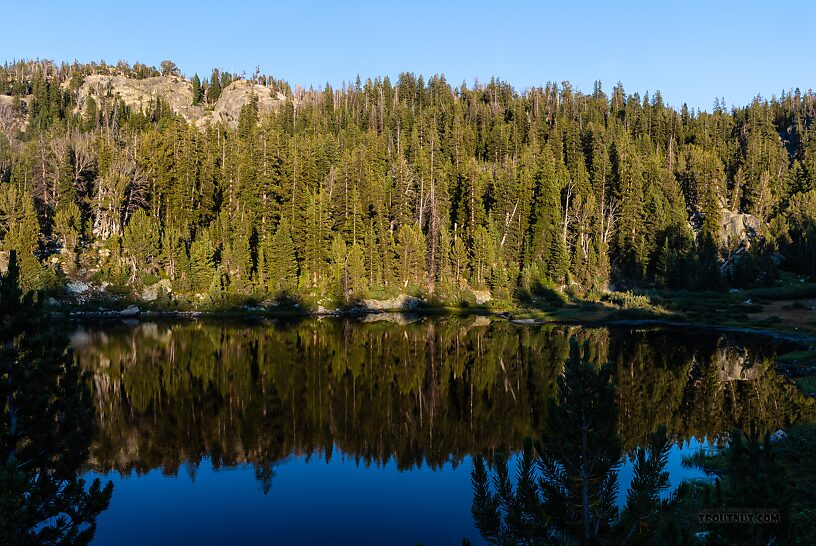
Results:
46 427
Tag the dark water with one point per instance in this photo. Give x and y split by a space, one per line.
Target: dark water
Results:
350 432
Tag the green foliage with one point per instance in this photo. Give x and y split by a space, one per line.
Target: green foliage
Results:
214 89
282 260
141 242
628 300
68 225
444 189
202 262
198 92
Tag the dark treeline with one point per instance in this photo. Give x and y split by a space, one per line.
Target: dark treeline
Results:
422 393
406 185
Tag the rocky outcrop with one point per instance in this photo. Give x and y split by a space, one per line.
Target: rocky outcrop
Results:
482 296
737 229
235 96
141 94
11 117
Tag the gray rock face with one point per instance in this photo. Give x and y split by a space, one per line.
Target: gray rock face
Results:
152 292
142 94
10 118
738 229
235 96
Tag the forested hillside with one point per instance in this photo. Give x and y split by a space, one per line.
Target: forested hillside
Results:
381 187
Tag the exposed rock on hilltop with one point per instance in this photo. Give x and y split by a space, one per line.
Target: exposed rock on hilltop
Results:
140 94
10 118
236 95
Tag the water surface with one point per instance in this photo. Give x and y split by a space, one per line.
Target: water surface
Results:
356 431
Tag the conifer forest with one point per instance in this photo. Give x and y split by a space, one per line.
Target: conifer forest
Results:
401 310
382 187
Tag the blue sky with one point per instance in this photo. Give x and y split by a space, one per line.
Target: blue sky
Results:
691 51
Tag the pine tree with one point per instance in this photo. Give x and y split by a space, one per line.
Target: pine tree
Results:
411 253
68 226
214 90
141 242
282 261
358 283
198 93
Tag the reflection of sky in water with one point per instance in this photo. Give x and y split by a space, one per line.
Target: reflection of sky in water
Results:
339 502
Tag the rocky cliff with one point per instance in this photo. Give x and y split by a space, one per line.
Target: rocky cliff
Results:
139 94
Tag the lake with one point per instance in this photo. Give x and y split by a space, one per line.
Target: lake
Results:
363 430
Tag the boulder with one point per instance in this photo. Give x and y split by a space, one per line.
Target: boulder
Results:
323 311
403 301
153 291
778 436
77 287
130 311
482 296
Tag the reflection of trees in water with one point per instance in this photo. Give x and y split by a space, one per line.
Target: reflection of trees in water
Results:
565 489
45 431
424 392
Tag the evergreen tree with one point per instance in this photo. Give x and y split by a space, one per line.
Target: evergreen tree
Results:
198 92
283 264
214 90
202 261
142 242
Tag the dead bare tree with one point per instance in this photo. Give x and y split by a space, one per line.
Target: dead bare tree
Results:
119 193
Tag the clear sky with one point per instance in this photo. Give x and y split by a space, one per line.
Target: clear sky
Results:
691 51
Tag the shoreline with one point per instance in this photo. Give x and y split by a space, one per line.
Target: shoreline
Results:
357 312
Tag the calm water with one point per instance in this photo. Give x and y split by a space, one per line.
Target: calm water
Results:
353 432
